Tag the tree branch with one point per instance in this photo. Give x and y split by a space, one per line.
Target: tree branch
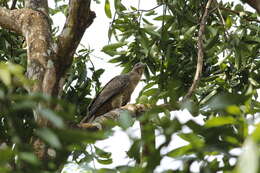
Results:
254 4
237 13
135 110
200 52
8 19
79 18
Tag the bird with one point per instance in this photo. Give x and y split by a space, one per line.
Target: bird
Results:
116 93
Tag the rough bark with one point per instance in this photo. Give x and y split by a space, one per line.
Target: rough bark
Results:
79 18
135 110
47 60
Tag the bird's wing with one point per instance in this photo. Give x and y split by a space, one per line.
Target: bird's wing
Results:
111 89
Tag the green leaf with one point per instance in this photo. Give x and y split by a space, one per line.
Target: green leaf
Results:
102 153
49 136
99 72
151 91
234 110
104 161
184 150
150 13
163 17
111 48
239 7
50 115
107 9
29 157
119 6
256 133
190 31
228 22
79 136
151 31
220 121
134 151
5 75
143 100
125 120
6 155
221 101
194 139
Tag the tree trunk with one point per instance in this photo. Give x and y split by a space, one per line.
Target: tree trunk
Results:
47 60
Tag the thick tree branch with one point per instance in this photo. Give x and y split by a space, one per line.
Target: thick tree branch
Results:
8 19
254 4
34 26
200 52
135 110
79 18
46 63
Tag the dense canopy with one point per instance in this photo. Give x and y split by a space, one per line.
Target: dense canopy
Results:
202 60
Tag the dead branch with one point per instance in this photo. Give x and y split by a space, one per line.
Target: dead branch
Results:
200 52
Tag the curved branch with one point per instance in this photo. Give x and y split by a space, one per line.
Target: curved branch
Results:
200 52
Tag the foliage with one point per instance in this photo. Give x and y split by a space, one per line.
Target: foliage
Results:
165 39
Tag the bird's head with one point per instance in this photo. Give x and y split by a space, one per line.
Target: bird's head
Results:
139 68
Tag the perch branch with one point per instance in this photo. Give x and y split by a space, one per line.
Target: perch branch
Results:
135 110
200 55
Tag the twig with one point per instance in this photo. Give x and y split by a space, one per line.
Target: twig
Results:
237 13
226 33
200 52
140 10
149 9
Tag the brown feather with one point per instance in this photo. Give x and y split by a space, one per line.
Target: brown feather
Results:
116 93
